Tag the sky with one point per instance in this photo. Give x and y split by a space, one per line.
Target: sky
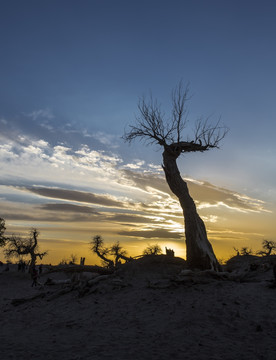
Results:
72 73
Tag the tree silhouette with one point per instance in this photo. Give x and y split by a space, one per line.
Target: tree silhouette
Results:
152 127
73 259
153 250
245 251
119 253
17 246
97 246
2 232
116 250
269 246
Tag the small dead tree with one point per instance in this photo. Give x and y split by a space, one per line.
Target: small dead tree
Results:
73 259
268 247
153 250
18 246
116 250
152 127
245 251
2 232
119 253
97 246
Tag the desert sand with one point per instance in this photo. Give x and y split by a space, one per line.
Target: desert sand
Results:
145 310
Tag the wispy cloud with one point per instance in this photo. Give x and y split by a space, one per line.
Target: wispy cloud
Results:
137 164
152 234
41 114
109 140
77 196
69 208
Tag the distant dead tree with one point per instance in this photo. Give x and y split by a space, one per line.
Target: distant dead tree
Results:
245 251
97 246
153 250
73 259
18 246
2 232
119 253
268 247
116 250
153 127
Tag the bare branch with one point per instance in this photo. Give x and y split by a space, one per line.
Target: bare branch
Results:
179 98
152 127
208 134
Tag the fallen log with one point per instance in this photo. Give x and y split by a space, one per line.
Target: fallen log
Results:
21 301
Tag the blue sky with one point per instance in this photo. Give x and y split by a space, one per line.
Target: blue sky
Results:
71 74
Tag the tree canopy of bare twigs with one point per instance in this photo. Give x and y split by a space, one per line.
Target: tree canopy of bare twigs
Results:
154 249
153 126
17 246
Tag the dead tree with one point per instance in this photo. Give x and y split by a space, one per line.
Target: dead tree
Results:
2 232
119 253
18 246
152 127
269 246
97 246
116 250
154 249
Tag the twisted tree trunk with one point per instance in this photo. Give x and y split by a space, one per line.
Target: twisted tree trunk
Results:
199 251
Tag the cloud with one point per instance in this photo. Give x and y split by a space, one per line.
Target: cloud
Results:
77 196
152 234
127 219
51 218
7 153
69 208
206 195
105 139
41 113
3 121
136 165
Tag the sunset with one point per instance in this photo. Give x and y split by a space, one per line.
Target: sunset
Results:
73 77
70 86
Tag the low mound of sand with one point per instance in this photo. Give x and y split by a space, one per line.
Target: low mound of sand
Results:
146 310
151 266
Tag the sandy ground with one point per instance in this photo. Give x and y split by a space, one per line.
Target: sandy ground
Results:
137 314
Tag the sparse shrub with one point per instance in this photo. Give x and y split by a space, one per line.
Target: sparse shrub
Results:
245 251
153 250
73 259
63 262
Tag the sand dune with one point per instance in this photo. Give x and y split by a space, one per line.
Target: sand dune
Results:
144 311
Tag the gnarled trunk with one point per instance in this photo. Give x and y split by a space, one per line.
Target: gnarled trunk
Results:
199 251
